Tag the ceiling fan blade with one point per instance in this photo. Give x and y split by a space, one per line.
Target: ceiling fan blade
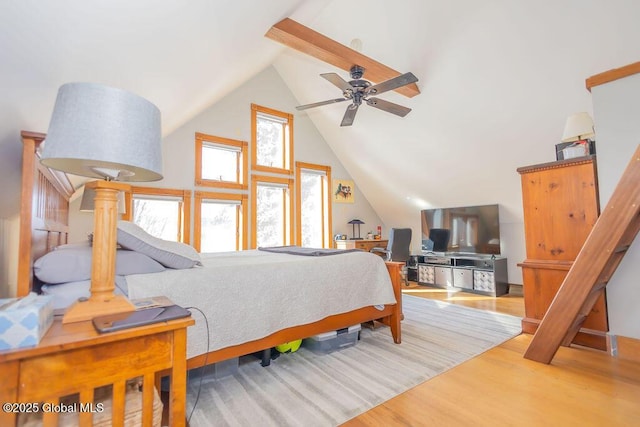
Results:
349 115
394 83
338 81
389 107
319 104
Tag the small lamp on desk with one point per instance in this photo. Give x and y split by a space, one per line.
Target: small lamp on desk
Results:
353 223
107 133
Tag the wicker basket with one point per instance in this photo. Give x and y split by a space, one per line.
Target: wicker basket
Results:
132 415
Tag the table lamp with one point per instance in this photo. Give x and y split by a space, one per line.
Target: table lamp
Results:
578 127
102 132
353 223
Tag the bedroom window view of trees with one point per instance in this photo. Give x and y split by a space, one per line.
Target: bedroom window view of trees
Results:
220 222
272 143
314 208
272 211
160 218
221 218
311 202
162 212
220 162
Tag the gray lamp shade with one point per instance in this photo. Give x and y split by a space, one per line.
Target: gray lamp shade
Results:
103 132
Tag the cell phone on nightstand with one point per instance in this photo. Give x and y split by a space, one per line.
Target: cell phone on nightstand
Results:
132 319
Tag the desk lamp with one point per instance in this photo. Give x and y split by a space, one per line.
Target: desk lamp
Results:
353 223
578 127
107 133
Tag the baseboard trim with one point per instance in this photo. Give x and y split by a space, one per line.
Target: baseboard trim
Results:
624 347
516 290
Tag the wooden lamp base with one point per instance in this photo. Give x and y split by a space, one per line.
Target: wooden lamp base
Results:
87 310
103 262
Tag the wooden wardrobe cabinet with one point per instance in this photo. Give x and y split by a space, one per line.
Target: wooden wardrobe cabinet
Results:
560 201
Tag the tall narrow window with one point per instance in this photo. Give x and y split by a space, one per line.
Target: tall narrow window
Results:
272 140
313 205
220 222
161 212
220 162
271 211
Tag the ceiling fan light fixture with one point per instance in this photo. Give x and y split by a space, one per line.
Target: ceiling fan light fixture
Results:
358 90
356 44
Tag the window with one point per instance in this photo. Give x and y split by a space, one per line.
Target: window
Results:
313 205
161 212
272 140
220 222
271 211
220 162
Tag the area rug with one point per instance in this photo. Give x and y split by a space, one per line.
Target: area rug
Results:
311 389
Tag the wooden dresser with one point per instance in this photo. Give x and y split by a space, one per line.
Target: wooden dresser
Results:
74 358
362 244
560 201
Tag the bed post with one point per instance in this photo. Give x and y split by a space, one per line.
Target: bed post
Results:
393 321
44 210
31 141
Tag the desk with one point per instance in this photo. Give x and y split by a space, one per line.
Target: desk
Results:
364 245
74 358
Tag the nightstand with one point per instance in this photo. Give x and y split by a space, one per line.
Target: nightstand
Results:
74 358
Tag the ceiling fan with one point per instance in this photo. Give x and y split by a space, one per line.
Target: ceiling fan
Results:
359 90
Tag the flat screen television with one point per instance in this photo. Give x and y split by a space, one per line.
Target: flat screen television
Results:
465 230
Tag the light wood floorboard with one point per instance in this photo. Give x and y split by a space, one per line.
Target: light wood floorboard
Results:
581 387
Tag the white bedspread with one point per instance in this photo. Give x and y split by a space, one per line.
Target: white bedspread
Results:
250 294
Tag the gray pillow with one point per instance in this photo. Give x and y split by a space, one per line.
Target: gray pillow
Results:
72 263
170 254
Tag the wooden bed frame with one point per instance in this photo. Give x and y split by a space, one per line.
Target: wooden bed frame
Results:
44 225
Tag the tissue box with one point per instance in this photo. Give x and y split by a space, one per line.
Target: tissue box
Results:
23 322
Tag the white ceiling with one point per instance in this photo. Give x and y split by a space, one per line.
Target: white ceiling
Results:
498 78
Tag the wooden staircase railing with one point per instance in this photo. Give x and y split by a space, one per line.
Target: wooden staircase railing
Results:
596 262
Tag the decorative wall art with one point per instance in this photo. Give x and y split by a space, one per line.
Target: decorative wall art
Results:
343 190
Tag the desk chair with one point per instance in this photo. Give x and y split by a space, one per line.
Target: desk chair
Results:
398 248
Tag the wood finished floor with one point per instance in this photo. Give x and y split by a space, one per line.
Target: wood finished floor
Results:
581 387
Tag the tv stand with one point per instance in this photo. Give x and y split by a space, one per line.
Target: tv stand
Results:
477 273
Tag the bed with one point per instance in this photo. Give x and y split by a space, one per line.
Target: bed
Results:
44 226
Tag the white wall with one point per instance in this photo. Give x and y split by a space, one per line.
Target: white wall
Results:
616 108
231 118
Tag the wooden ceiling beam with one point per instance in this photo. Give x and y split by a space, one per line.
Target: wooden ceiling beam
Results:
304 39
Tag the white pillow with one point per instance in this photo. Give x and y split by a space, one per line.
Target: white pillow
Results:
170 254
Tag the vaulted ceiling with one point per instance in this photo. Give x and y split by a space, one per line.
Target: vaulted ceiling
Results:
497 79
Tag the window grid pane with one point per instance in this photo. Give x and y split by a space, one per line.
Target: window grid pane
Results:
219 227
220 164
311 209
160 218
270 142
270 214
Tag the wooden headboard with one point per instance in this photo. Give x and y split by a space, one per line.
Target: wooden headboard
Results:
44 210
